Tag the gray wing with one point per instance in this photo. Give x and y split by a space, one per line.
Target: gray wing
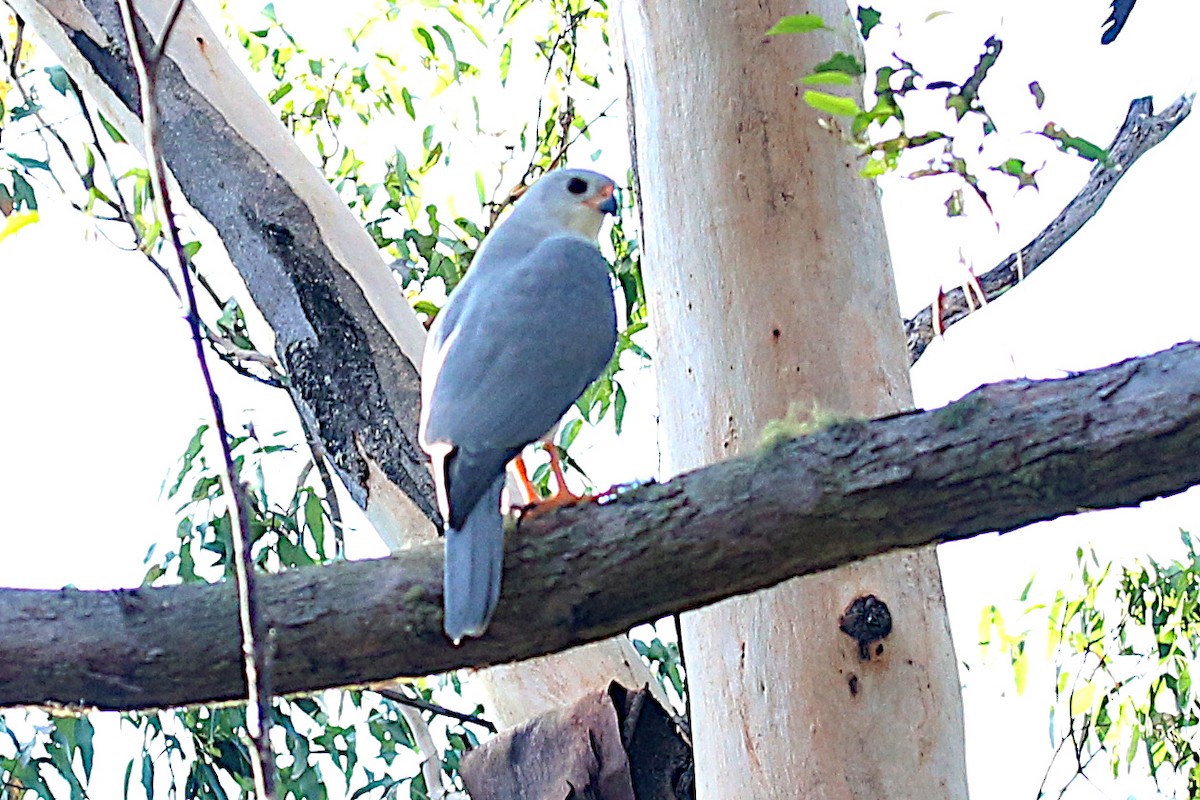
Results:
518 344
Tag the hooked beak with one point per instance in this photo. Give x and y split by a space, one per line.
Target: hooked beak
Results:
605 201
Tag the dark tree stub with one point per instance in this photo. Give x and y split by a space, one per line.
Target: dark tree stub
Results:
866 621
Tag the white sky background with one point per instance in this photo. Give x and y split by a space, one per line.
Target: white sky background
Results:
102 392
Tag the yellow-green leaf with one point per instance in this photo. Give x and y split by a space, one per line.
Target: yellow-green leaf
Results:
1081 699
832 104
799 23
1020 668
17 221
831 77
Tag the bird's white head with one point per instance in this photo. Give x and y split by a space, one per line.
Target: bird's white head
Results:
575 199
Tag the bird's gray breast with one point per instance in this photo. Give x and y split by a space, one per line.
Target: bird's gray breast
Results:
523 339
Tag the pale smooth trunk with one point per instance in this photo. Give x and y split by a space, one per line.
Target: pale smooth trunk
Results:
771 291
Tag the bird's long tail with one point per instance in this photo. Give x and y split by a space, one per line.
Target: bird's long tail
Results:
474 559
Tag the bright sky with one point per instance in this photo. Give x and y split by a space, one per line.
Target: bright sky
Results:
103 393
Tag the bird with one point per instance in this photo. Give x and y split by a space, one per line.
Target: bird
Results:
1119 16
527 330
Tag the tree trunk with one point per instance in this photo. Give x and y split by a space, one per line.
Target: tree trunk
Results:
771 293
348 339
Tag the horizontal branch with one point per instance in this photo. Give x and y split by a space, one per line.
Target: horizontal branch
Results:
1141 131
1004 456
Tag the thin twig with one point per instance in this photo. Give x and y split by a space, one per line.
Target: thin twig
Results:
17 45
256 658
497 208
431 760
319 456
1141 131
416 702
224 348
156 51
685 722
572 21
36 112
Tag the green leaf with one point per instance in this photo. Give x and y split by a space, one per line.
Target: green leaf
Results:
418 790
1082 147
59 79
111 130
22 111
829 78
148 774
505 61
424 38
442 32
619 401
799 23
22 193
128 777
27 774
1016 168
967 97
385 782
868 18
874 167
842 62
566 437
832 103
65 740
189 457
279 92
314 517
29 163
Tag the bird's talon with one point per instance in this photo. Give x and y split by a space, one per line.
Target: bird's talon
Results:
555 501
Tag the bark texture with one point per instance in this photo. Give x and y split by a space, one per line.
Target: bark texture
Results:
1001 458
771 295
575 751
612 745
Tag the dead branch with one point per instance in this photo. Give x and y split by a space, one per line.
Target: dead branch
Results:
1141 131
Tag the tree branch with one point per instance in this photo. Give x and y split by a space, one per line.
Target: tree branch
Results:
344 333
1003 457
255 650
1141 131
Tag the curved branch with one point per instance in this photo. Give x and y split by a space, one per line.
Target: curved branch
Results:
1004 456
1141 131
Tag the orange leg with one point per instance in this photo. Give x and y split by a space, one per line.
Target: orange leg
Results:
529 492
562 495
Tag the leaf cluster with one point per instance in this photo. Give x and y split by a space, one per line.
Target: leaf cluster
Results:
883 134
1125 644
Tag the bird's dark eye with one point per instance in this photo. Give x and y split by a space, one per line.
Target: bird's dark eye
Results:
577 186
